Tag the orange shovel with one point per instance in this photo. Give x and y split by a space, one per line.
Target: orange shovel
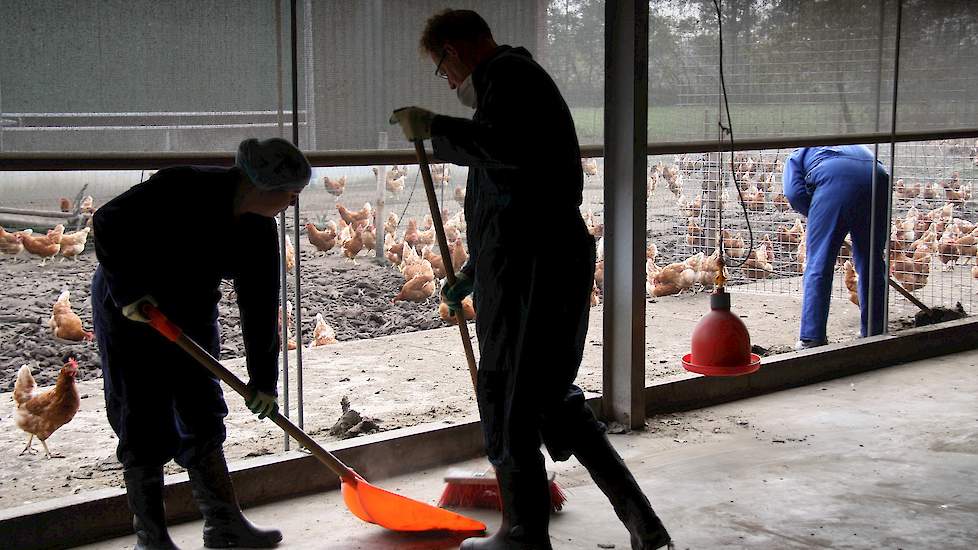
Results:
369 503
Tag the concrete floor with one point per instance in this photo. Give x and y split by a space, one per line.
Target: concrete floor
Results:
886 459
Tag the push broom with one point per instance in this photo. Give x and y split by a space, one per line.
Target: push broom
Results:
367 502
467 490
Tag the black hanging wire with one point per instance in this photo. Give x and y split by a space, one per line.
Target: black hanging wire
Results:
414 186
444 184
728 130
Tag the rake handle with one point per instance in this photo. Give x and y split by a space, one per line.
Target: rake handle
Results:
907 295
446 256
175 334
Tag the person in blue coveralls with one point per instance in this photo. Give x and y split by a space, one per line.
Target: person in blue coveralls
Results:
833 188
170 241
532 302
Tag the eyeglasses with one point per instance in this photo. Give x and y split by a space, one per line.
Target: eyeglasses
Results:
438 70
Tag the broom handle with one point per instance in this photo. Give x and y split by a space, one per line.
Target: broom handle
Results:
446 256
173 333
907 295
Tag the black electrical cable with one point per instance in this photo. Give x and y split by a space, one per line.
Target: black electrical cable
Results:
728 129
408 203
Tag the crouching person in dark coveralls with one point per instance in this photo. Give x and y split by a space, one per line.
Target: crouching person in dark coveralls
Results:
531 301
170 241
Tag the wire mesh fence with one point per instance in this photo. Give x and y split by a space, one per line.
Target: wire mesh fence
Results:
397 190
933 237
933 240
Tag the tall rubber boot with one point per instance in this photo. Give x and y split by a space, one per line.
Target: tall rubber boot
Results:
526 513
224 524
612 476
144 490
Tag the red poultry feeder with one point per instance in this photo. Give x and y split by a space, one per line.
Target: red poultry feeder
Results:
721 343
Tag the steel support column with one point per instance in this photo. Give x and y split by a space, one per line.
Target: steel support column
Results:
625 137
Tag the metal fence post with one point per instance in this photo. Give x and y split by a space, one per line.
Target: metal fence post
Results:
626 163
381 190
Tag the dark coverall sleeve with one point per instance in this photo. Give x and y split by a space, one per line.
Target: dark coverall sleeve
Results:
793 181
256 283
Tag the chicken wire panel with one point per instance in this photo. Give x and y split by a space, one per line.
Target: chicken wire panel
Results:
688 201
360 60
141 76
933 239
573 53
938 85
791 68
196 76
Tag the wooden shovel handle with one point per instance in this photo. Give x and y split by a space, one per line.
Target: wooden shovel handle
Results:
906 294
173 333
429 187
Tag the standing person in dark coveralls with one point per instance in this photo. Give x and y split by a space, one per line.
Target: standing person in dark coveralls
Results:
532 300
170 241
833 187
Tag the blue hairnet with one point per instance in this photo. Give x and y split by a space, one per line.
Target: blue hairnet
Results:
273 164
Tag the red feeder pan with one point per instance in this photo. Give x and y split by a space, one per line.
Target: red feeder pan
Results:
721 343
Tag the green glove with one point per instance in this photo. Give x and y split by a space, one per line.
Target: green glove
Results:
263 404
452 295
415 121
134 311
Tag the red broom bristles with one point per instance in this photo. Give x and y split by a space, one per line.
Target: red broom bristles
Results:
483 492
471 496
557 496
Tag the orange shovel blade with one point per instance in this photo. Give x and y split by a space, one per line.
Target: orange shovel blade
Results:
375 505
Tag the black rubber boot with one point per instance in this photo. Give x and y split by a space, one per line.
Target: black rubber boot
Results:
224 524
526 513
144 490
612 476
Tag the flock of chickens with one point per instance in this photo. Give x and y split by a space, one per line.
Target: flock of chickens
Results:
915 239
55 241
756 179
411 251
64 323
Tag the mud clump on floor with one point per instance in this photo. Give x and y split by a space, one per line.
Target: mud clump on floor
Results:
939 315
351 423
773 350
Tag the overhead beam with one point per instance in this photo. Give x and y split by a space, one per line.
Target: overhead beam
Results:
53 160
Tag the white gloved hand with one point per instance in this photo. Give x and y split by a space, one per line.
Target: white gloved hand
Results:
262 404
415 121
134 311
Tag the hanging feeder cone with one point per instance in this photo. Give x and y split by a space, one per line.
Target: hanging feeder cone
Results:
721 343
